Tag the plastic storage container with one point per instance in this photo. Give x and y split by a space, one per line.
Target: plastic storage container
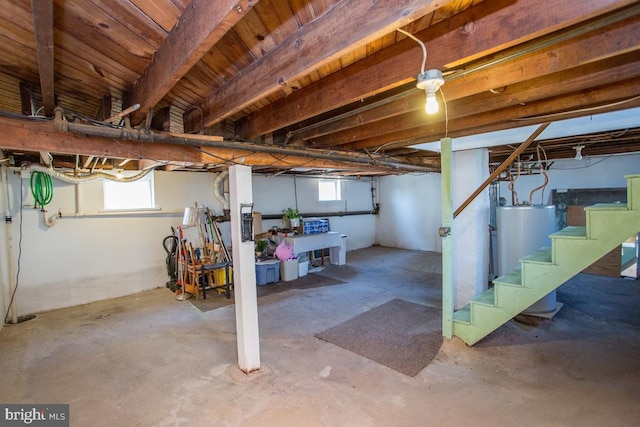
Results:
220 276
303 268
314 226
267 272
289 270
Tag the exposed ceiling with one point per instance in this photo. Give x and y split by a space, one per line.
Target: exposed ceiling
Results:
303 85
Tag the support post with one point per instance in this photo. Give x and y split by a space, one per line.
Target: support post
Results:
244 273
447 239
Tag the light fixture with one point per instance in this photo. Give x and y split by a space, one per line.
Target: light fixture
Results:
429 80
578 149
119 174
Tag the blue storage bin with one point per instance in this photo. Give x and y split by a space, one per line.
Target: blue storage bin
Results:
267 272
314 226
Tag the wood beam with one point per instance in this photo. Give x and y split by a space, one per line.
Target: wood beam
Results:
288 161
42 11
447 44
104 111
570 105
348 25
27 135
42 136
610 70
26 99
597 46
200 27
161 120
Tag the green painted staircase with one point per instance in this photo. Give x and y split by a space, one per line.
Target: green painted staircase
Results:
572 250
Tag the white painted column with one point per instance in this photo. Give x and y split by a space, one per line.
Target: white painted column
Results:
244 273
470 168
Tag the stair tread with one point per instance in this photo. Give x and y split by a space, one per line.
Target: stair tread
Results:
607 207
541 256
488 297
463 315
571 232
513 278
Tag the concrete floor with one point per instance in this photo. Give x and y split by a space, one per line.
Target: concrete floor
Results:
149 360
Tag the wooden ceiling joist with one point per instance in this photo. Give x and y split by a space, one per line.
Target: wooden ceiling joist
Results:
596 47
508 117
200 27
448 45
515 93
344 27
42 11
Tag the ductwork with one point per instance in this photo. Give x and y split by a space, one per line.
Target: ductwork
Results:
72 179
218 190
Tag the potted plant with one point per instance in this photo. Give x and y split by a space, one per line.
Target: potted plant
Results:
261 246
291 216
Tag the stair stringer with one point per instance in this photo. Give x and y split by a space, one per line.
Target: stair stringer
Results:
607 227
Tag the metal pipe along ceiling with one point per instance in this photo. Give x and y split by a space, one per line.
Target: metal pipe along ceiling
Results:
130 134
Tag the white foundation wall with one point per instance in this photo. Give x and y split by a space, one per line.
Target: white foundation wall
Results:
273 194
471 227
410 212
590 172
93 256
89 258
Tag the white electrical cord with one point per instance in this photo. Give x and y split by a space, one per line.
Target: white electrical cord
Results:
424 48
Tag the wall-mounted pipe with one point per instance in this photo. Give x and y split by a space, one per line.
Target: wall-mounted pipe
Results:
51 220
327 214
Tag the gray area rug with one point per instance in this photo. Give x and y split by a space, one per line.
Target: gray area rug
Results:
401 335
310 281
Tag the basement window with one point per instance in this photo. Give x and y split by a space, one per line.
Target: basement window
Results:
329 190
127 196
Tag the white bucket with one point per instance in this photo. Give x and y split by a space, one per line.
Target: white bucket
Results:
303 268
289 270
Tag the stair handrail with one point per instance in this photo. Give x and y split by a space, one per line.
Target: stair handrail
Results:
501 168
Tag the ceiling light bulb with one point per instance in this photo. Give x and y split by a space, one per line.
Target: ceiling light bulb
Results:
119 174
578 149
432 103
430 81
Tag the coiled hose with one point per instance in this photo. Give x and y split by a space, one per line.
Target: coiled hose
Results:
41 189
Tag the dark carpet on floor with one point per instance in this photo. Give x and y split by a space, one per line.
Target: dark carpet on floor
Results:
401 335
310 281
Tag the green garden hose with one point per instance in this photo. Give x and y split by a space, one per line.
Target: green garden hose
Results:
41 188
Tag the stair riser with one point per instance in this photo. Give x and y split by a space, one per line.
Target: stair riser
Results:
633 192
611 225
506 295
579 254
570 254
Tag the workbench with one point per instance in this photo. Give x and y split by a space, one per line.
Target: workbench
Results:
310 242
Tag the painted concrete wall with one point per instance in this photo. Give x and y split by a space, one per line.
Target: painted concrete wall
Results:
410 212
85 259
273 194
89 258
471 228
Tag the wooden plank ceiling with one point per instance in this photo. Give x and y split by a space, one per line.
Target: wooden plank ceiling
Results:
305 85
